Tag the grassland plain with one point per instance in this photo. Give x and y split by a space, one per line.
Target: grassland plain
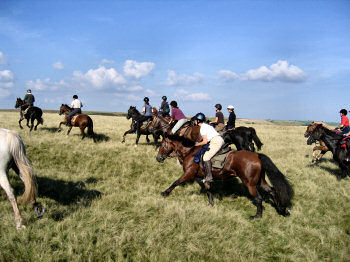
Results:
103 202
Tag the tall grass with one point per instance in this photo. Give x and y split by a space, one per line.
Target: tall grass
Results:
103 203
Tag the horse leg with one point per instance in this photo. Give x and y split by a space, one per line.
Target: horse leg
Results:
69 129
31 124
210 197
82 132
4 183
257 201
20 120
187 176
127 132
36 126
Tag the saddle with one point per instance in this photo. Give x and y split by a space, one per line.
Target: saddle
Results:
73 119
345 142
217 161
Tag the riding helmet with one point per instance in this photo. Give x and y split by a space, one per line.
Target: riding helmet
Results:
164 98
230 107
344 112
218 106
200 117
75 96
29 90
146 99
173 103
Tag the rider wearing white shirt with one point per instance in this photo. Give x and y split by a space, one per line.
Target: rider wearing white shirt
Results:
76 105
209 135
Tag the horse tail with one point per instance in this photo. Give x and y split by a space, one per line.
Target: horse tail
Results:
256 139
18 153
91 128
284 191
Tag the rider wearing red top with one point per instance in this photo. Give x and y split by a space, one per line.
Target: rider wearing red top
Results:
344 125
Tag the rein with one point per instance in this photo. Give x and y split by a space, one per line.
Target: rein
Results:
161 127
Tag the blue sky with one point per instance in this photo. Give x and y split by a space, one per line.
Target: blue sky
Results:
287 60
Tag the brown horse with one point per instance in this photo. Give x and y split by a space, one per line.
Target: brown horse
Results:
248 166
80 120
322 147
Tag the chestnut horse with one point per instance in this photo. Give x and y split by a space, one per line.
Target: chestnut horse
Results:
248 166
81 120
322 147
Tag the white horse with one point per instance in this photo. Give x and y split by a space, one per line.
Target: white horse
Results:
13 155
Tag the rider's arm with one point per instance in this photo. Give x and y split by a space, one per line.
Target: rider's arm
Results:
215 121
203 142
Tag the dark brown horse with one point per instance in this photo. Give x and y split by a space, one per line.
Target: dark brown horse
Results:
33 113
80 120
248 166
322 147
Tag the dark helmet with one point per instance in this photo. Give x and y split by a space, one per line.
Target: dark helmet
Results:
29 90
146 99
75 96
200 117
218 106
344 112
164 98
173 103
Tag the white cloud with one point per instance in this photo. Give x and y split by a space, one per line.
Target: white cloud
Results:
187 96
129 97
100 78
106 62
136 69
183 80
46 84
58 66
6 79
227 75
281 71
3 60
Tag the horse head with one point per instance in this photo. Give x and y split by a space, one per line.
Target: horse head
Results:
310 128
64 108
165 149
19 102
132 112
315 134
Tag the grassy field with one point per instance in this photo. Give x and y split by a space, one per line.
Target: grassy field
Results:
103 202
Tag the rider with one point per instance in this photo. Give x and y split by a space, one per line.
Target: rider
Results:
76 106
29 100
231 123
147 110
218 123
209 135
164 107
344 125
176 115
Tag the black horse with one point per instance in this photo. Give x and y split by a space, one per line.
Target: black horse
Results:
137 126
242 137
336 145
33 113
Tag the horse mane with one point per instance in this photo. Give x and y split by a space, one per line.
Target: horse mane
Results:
322 124
185 141
330 132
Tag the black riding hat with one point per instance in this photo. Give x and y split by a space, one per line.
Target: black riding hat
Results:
218 106
164 98
200 117
75 96
344 112
146 99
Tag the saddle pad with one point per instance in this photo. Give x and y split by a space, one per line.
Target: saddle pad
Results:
73 119
218 161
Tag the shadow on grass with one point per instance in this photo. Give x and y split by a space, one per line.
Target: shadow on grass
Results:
67 193
50 129
337 172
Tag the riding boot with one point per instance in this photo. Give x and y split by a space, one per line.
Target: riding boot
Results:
208 175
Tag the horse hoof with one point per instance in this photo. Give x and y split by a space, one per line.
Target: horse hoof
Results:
135 145
254 217
20 227
164 194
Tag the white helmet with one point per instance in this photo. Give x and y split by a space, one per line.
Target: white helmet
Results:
230 107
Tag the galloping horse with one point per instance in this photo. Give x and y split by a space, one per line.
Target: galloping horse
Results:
242 137
322 147
137 127
333 141
248 166
33 113
13 155
80 120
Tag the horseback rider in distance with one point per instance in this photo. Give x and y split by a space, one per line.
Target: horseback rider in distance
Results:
209 135
76 105
147 110
344 125
29 99
231 123
178 116
164 107
218 123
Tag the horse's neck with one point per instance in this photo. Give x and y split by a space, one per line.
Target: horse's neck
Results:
331 140
183 151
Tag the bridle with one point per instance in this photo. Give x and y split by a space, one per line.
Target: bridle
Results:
165 126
